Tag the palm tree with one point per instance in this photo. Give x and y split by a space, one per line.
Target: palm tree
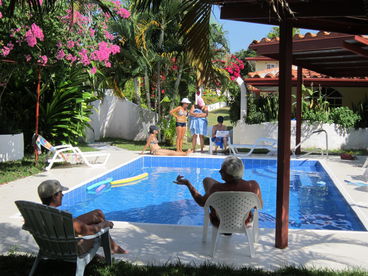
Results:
195 28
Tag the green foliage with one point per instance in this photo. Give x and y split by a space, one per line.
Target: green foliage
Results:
234 102
13 264
344 116
66 108
210 97
362 110
168 129
275 32
262 109
315 108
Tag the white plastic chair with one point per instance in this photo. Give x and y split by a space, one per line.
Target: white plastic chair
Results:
261 143
53 231
209 135
232 209
73 155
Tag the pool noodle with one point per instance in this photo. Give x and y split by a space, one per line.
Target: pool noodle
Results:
129 179
99 189
99 183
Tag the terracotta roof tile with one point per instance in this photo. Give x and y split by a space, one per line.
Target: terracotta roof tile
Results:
274 73
319 35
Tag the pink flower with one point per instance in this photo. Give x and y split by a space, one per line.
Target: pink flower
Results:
70 44
1 3
115 49
28 57
40 1
123 12
108 64
84 57
1 15
93 70
92 32
59 44
108 35
37 31
42 59
60 54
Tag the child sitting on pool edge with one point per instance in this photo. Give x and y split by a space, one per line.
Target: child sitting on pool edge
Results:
155 149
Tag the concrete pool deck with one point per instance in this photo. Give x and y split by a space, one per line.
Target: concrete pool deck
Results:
157 244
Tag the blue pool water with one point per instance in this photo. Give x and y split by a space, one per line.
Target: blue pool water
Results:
315 202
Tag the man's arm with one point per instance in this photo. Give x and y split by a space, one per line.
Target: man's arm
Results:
80 228
201 200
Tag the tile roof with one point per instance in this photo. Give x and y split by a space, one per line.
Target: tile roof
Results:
274 73
307 36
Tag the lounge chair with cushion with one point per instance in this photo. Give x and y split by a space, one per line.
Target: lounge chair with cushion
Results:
70 154
53 231
261 143
232 209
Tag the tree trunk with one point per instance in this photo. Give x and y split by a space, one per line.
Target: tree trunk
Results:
176 87
147 88
137 93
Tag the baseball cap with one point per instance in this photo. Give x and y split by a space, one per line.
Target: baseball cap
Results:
185 100
50 187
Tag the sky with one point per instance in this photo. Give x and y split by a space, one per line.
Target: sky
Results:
241 34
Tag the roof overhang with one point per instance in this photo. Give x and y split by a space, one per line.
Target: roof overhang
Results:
332 54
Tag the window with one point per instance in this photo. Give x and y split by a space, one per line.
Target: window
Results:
270 65
331 95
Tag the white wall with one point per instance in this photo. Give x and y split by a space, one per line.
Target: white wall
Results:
118 118
337 137
11 147
216 106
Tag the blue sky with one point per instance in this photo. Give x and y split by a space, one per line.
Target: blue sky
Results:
241 34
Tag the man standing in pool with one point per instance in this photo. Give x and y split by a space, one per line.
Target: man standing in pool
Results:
51 194
232 170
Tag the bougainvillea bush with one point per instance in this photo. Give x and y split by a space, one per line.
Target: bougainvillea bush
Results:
61 42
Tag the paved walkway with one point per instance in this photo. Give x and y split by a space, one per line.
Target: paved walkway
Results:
154 244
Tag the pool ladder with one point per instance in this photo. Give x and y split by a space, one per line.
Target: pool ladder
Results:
306 138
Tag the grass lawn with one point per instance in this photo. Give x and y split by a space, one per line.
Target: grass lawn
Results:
13 264
12 170
212 117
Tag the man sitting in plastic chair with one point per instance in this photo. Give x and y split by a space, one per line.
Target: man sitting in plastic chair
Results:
219 135
232 170
51 194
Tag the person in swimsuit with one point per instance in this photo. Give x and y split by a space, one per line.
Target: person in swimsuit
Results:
155 149
198 123
181 115
219 141
232 170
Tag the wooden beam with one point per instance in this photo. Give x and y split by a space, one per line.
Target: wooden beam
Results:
356 49
283 154
330 82
299 83
314 9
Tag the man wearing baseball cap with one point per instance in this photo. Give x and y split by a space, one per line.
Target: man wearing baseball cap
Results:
51 194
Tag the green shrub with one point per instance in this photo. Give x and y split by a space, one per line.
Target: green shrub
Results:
362 110
234 103
344 116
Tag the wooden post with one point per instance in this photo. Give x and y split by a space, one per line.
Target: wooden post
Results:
283 155
37 108
299 83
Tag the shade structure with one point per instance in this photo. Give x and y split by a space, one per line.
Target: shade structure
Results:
332 54
339 16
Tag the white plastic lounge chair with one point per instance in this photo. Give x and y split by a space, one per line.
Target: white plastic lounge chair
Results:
365 165
233 209
69 154
225 133
261 143
53 231
73 155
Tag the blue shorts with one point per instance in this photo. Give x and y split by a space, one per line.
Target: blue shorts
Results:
219 141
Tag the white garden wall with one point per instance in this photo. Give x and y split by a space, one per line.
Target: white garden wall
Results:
11 147
338 138
216 106
118 118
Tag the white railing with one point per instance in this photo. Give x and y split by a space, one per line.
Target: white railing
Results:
306 138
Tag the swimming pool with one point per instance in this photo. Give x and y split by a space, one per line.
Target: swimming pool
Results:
315 202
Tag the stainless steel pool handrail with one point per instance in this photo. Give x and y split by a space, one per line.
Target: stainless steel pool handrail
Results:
306 138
